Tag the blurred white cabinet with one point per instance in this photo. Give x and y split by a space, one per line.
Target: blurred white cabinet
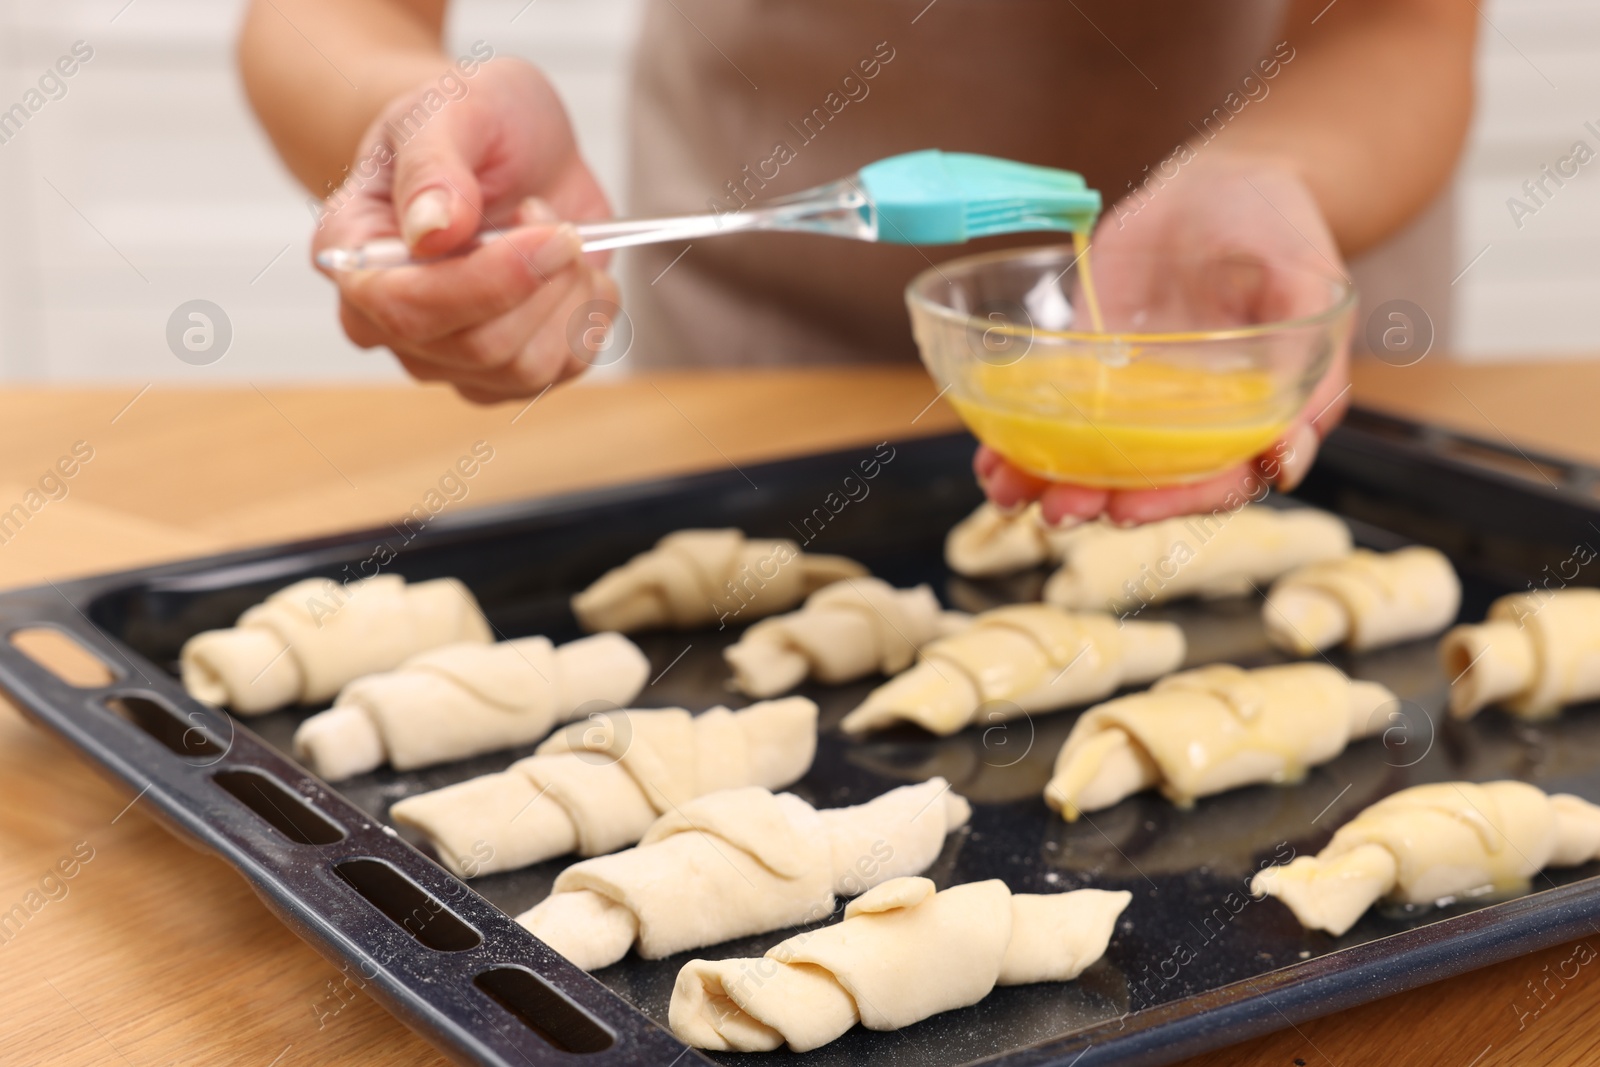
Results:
1536 288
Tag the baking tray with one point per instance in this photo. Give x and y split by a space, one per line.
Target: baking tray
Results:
1194 963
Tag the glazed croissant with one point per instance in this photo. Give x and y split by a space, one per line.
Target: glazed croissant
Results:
1018 659
695 577
306 641
462 700
1212 729
739 862
1364 600
991 542
845 631
597 786
1113 568
903 952
1534 654
1429 843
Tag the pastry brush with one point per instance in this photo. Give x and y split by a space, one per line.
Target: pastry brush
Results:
919 198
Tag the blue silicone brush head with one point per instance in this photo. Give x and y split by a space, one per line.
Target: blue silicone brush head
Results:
935 198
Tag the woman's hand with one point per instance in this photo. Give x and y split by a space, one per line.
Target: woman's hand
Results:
494 322
1241 239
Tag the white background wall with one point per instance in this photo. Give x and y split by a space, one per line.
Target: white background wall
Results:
1537 289
148 184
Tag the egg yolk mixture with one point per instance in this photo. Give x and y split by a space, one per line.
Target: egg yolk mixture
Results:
1136 426
1126 423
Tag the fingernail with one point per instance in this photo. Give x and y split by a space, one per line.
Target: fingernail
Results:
1064 521
535 212
1003 493
1293 458
430 211
563 246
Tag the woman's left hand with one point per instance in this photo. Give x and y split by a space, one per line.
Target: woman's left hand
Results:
1243 236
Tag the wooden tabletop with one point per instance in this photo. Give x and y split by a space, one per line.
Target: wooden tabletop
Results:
151 954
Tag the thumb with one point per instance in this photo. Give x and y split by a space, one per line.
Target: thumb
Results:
436 196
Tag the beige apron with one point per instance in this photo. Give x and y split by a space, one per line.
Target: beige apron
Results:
767 97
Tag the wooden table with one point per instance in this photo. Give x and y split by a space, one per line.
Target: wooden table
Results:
152 954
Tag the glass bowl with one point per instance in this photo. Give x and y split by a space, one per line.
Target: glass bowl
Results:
1193 368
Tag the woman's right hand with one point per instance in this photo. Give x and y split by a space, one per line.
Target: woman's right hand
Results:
494 322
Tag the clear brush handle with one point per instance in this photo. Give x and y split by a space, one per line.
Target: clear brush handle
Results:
839 209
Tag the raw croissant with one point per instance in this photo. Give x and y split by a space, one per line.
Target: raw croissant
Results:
695 577
462 700
306 641
1364 600
1534 654
845 631
902 953
1113 568
596 787
991 542
1431 843
1013 660
1212 729
739 862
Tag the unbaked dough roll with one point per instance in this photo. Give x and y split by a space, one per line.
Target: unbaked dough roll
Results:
739 862
903 952
463 700
1431 843
1534 654
1113 568
1364 600
1212 729
845 631
992 542
1019 659
598 785
306 641
695 577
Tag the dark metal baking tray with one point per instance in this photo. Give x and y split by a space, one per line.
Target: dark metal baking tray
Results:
1194 964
